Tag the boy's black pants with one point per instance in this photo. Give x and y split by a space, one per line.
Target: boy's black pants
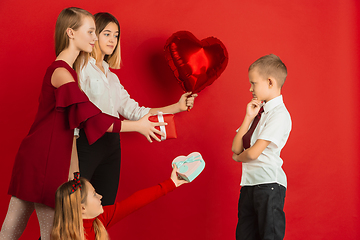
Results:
260 212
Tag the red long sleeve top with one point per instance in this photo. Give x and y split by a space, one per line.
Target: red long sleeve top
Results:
114 213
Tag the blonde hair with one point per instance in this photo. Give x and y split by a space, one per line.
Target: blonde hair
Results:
70 18
68 222
102 19
271 66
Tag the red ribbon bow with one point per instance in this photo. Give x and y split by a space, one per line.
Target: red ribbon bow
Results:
77 183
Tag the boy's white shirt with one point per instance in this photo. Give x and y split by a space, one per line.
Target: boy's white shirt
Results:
274 126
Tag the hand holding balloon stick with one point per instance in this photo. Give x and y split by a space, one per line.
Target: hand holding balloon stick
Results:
187 101
196 64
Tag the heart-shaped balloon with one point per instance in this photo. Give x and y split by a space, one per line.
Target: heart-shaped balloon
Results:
196 64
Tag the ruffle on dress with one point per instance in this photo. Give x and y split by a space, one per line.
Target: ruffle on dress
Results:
82 113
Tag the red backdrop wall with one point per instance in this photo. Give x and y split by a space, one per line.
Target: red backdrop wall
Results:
317 40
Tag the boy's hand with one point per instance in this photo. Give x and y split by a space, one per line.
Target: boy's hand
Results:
253 108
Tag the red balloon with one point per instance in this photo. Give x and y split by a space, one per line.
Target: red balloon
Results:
196 64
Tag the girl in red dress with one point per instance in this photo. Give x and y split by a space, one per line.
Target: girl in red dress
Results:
79 213
46 152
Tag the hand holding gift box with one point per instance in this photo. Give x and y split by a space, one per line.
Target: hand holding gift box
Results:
189 167
169 130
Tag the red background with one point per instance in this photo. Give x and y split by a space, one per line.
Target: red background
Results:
317 40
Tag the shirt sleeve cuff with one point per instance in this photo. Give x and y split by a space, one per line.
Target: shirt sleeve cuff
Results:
117 126
168 185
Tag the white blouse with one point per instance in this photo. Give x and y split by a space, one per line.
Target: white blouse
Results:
106 92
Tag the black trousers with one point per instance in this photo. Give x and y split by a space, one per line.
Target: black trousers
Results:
260 212
100 164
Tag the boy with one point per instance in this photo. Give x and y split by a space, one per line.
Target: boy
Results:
263 181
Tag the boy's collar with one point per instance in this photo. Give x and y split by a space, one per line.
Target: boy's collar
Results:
272 103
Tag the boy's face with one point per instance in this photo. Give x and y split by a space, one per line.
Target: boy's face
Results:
260 87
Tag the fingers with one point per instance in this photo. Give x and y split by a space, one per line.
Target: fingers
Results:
186 101
149 130
255 103
190 99
190 102
157 124
173 175
152 135
187 94
174 169
182 181
155 131
155 137
255 100
149 138
178 181
174 172
253 108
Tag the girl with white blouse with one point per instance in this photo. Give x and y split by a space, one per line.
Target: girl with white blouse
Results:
100 162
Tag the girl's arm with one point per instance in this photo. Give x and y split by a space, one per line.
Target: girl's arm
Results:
62 76
147 128
114 213
74 162
143 126
186 101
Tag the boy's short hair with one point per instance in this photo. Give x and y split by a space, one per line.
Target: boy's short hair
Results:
271 66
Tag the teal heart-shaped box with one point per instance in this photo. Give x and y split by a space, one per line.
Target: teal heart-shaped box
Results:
190 166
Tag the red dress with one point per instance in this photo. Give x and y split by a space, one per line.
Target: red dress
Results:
43 160
114 213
